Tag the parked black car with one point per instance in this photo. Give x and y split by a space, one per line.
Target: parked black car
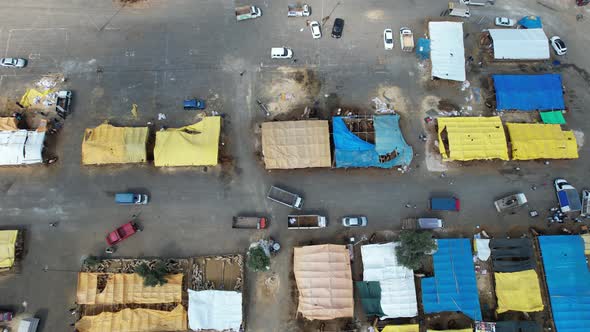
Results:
337 28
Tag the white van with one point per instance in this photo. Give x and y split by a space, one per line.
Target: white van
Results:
281 53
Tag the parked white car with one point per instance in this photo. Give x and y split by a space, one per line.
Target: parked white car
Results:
558 45
13 62
354 221
504 22
316 31
388 39
281 53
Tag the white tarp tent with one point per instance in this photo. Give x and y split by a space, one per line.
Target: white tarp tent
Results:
398 292
520 44
214 310
447 52
21 147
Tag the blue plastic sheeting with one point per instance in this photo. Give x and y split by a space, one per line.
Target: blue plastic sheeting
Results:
528 92
531 22
453 287
351 151
423 48
567 278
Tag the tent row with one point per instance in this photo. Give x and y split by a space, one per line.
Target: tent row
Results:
193 145
207 309
358 142
481 138
324 280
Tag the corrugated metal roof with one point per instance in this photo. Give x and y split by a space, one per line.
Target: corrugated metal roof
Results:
447 52
567 275
520 44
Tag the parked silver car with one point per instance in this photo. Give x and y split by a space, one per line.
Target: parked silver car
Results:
13 62
354 221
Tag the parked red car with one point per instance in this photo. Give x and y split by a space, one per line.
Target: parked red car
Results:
124 231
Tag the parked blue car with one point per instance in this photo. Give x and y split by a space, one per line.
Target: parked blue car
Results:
194 104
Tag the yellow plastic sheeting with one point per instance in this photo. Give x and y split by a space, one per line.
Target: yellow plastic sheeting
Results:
472 138
194 145
402 328
32 96
127 288
518 291
8 124
541 141
107 144
296 144
7 242
586 238
135 320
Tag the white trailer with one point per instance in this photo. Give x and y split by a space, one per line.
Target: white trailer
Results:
406 39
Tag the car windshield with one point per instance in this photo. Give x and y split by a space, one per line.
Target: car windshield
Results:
389 40
504 20
560 43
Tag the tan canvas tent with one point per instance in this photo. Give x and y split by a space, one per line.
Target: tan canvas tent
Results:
296 144
324 281
126 288
144 320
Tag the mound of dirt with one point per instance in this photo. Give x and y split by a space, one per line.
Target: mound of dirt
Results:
295 90
394 97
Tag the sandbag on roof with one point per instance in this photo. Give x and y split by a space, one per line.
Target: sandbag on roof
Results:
136 320
126 288
107 144
193 145
296 144
472 138
518 291
541 141
324 281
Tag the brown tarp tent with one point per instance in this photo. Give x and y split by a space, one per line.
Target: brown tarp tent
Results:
296 144
126 288
145 320
324 281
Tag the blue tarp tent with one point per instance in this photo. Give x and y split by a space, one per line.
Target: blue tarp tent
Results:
567 278
453 287
528 92
531 22
351 151
423 48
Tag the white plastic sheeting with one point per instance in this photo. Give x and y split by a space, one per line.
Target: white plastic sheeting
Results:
520 44
214 310
398 292
21 147
447 52
483 249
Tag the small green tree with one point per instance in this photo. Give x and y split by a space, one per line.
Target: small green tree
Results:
257 259
413 247
153 277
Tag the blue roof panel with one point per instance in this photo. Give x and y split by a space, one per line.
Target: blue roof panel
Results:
453 287
567 278
529 92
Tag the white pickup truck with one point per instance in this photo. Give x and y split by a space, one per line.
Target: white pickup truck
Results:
406 39
298 10
247 12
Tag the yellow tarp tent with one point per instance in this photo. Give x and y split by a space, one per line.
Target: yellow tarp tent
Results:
107 144
194 145
472 138
296 144
541 141
33 97
586 238
126 288
135 320
8 124
402 328
7 243
518 291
